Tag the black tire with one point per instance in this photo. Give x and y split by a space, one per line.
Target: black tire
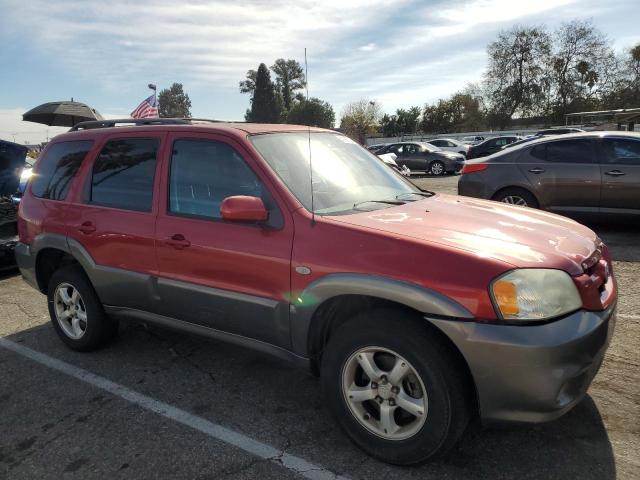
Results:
444 377
442 170
100 328
527 196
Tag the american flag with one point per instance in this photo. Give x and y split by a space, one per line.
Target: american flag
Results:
147 109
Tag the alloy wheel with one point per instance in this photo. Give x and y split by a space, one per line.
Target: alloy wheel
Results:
70 311
515 200
437 168
384 393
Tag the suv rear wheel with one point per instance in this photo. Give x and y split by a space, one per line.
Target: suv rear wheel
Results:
76 312
395 391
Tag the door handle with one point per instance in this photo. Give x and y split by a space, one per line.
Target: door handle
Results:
536 170
614 173
178 241
87 228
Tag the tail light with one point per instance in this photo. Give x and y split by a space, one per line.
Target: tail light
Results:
474 167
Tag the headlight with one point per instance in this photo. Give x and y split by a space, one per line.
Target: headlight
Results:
534 294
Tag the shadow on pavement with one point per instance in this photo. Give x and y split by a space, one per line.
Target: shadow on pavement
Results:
275 404
621 234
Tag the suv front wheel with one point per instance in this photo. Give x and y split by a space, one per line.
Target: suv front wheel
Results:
394 388
76 312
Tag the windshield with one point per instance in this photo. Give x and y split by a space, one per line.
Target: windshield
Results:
346 177
429 148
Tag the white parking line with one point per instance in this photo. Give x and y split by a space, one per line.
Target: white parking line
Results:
628 317
248 444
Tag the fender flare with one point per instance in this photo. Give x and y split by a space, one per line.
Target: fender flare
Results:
424 300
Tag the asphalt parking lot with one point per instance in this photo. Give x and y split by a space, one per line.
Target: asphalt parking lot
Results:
156 404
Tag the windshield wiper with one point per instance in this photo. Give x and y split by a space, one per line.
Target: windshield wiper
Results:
389 202
425 193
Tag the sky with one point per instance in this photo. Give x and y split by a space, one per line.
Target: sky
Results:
398 53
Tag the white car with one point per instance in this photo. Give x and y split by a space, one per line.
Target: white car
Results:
472 139
450 145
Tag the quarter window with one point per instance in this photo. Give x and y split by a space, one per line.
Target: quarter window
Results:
621 151
123 174
55 171
204 173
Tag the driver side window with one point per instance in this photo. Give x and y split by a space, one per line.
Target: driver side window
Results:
203 173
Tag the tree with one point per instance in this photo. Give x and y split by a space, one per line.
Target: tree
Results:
517 64
360 119
264 104
248 85
289 78
173 102
315 112
581 67
460 113
626 90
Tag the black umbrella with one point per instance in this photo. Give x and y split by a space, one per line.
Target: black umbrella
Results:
61 114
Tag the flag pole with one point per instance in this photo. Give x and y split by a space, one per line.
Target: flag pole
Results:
153 87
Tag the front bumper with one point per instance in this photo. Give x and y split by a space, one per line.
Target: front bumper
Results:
532 373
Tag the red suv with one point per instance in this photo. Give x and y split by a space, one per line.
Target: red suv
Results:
417 310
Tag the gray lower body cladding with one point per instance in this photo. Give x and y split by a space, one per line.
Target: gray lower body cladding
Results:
532 373
522 373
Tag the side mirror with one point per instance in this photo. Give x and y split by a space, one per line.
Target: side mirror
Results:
241 208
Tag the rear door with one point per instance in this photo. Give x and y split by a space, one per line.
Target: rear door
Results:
563 174
620 168
229 276
114 220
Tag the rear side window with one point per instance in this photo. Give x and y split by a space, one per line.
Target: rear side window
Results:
55 171
123 174
204 173
570 151
621 151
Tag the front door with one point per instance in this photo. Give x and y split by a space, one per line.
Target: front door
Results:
563 174
114 219
414 157
229 276
620 169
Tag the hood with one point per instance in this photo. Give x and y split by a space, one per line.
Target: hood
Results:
520 236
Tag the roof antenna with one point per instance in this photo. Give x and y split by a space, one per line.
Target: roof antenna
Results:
306 82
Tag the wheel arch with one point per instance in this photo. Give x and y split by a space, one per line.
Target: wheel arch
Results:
337 297
53 251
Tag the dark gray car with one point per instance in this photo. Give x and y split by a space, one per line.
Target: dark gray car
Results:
596 172
421 157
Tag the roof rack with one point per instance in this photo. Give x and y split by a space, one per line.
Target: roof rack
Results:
138 121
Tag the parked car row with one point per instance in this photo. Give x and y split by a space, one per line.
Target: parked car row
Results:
595 172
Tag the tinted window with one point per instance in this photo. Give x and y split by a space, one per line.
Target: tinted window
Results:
411 149
570 151
539 152
56 169
204 173
621 151
438 143
123 174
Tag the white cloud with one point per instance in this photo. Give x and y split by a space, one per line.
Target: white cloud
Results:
369 47
402 53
